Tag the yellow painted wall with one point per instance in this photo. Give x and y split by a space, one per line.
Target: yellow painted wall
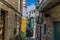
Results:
23 26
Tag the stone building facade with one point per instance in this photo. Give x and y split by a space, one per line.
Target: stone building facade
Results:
10 19
51 16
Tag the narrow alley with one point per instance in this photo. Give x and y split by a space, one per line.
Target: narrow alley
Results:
29 19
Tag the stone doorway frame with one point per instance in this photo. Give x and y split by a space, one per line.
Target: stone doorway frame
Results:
4 23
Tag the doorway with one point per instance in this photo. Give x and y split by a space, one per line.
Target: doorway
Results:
56 30
2 24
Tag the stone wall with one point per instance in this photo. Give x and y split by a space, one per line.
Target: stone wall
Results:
49 29
14 3
54 16
55 12
10 18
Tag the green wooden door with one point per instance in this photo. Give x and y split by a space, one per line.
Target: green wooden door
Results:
56 30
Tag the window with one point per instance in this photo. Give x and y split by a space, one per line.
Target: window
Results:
15 25
37 19
44 28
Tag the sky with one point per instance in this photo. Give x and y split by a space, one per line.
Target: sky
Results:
29 2
30 5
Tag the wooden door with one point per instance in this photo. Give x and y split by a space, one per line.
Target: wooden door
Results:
59 31
55 31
